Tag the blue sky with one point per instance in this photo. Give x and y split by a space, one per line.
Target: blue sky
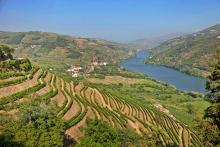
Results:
118 20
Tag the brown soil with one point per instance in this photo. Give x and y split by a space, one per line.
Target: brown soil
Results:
59 98
186 135
46 89
88 93
180 137
5 91
126 110
37 93
92 97
72 111
9 79
19 101
134 125
97 114
74 131
11 112
99 98
78 88
115 80
68 87
141 114
115 103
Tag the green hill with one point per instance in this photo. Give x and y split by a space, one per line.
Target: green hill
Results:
58 51
39 108
189 53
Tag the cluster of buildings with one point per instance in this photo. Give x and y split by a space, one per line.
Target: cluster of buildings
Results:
164 110
79 70
75 70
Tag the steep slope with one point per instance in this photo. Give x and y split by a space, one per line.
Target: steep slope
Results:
77 101
58 51
189 53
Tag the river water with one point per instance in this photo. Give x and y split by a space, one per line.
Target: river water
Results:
176 78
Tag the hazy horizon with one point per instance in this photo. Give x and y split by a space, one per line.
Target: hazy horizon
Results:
120 21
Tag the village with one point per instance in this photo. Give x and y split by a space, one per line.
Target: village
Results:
77 70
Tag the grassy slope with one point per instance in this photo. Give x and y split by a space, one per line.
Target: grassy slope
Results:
148 91
189 53
58 51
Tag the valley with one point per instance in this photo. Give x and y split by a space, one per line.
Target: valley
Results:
165 74
54 89
120 104
190 53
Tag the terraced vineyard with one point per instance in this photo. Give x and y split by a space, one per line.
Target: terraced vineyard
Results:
77 101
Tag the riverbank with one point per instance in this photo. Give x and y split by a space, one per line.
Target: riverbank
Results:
185 69
180 80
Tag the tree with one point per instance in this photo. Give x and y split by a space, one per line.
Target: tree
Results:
6 52
213 86
191 109
99 134
2 55
35 125
209 127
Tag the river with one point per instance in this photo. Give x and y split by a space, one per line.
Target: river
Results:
179 79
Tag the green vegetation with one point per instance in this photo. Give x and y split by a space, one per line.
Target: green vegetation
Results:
191 53
118 110
35 125
58 52
210 125
152 92
20 94
98 133
6 52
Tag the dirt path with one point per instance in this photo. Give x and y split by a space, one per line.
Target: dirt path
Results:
19 87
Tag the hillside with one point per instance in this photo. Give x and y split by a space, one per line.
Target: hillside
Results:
189 53
148 43
126 101
56 51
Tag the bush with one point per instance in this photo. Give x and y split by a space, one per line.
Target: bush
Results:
15 65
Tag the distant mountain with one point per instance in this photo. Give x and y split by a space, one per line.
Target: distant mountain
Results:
148 43
188 53
57 51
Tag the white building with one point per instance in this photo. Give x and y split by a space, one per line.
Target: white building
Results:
75 75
